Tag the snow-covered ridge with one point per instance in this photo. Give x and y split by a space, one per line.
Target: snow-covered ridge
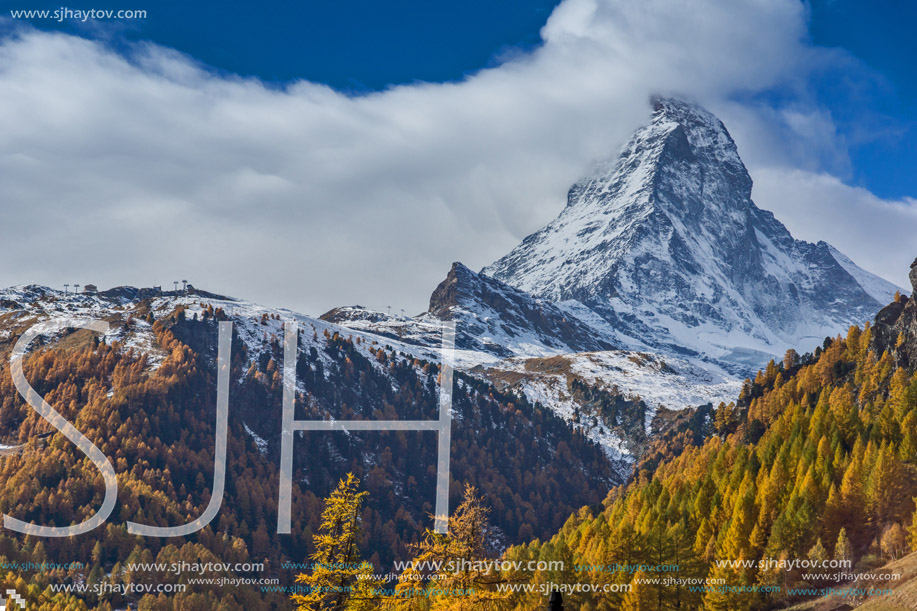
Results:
255 325
877 287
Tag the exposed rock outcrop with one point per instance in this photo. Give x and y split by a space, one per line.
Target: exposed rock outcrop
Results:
895 328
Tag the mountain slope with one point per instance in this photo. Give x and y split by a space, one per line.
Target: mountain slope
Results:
666 245
613 397
553 357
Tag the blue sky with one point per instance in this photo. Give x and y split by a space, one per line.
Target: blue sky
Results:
881 34
359 46
362 147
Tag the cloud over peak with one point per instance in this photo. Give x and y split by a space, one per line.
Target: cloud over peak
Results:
147 167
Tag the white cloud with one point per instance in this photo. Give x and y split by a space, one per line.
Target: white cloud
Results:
147 169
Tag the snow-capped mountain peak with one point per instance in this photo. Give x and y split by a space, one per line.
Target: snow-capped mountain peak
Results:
666 245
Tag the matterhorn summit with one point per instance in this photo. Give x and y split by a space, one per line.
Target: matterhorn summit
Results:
666 247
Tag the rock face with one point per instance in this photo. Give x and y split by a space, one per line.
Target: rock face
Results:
666 245
496 318
491 318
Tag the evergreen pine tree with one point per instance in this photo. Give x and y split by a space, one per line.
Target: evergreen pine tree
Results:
459 554
340 579
843 550
641 596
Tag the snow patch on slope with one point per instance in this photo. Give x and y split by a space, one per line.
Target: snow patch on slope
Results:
659 382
